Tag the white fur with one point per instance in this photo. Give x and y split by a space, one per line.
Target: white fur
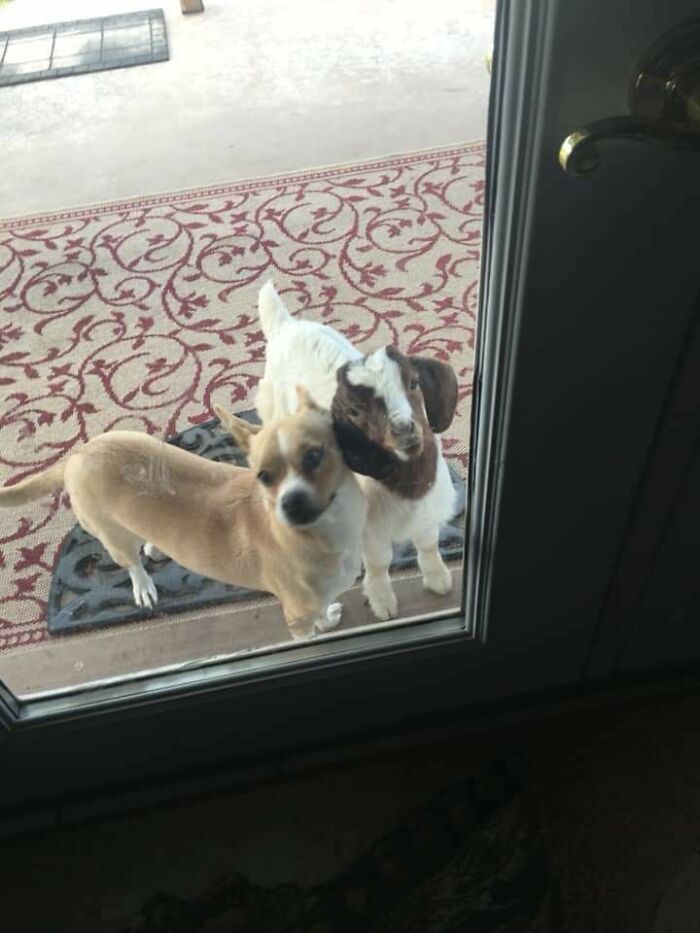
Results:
342 525
334 614
298 353
392 520
150 550
143 587
309 354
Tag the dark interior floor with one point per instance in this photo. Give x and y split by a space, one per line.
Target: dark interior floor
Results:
618 789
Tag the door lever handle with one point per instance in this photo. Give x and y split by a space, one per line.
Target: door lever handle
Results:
579 153
664 100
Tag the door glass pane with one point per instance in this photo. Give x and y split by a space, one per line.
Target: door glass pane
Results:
142 210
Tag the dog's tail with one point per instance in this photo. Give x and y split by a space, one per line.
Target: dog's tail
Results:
33 487
273 314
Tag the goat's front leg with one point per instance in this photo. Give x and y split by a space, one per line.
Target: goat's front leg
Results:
436 574
376 556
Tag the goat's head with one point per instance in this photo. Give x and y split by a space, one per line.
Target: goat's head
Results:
386 406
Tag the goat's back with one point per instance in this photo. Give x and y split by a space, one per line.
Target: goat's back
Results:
301 353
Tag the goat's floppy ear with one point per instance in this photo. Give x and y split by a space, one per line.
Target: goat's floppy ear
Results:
242 430
304 399
438 383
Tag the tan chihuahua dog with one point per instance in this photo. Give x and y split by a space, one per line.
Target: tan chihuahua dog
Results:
290 525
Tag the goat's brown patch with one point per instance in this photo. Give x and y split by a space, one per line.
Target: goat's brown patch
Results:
361 424
365 436
410 479
437 382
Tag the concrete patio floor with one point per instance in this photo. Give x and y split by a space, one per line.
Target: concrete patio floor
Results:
250 89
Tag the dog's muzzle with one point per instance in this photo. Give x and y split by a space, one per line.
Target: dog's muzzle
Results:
298 509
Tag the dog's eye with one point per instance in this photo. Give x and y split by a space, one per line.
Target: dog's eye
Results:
413 384
312 459
265 477
354 412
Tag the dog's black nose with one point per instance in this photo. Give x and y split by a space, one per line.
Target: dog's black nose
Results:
298 508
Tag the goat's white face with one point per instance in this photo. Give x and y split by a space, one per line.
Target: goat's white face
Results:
394 409
395 400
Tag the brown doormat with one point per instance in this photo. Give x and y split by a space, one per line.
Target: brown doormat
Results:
472 860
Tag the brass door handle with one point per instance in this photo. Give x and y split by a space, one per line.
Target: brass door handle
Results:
579 155
664 98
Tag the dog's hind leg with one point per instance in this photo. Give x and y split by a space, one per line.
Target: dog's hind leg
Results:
124 548
142 586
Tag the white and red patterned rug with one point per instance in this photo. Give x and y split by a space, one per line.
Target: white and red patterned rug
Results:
142 314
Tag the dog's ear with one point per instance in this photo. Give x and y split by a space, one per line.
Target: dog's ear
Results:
304 399
242 430
438 383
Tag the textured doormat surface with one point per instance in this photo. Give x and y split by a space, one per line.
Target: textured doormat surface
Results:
81 46
88 590
143 314
471 860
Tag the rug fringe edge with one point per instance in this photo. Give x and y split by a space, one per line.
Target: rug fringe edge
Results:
149 200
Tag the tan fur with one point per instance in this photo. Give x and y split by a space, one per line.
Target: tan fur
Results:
33 487
218 520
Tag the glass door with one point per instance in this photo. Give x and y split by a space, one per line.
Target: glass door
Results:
587 284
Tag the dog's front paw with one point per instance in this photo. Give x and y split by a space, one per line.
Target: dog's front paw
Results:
382 600
302 629
438 581
334 613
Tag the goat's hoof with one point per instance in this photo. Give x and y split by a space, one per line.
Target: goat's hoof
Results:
385 606
439 582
